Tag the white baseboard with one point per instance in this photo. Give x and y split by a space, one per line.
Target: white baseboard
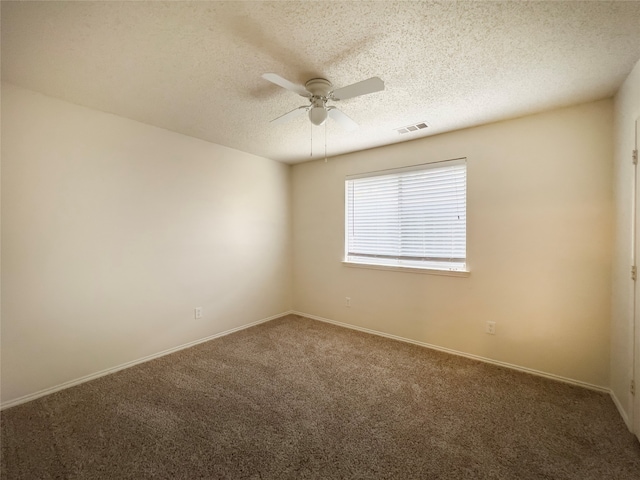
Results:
621 411
102 373
460 354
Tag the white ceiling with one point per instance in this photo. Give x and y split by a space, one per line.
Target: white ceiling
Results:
195 67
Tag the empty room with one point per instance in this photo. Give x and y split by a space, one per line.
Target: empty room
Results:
320 240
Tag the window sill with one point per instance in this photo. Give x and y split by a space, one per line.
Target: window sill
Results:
426 271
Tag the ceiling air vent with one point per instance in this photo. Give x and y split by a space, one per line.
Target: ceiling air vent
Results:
412 128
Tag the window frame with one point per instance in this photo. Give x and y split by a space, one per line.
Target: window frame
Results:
429 268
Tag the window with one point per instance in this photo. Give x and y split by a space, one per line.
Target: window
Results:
408 217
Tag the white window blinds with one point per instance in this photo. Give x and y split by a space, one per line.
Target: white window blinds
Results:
413 217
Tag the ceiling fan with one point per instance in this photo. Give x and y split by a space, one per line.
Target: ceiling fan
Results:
319 91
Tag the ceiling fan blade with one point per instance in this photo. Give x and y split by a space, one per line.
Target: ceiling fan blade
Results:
289 115
284 83
342 119
371 85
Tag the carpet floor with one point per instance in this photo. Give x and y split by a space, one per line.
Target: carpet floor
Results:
299 399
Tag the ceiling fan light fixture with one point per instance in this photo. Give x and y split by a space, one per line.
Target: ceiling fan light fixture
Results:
318 115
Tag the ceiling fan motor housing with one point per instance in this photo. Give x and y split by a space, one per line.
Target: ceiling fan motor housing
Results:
319 87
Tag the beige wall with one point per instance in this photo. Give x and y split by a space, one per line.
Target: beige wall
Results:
539 245
113 231
627 110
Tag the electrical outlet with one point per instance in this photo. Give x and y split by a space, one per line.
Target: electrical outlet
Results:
347 301
197 312
491 328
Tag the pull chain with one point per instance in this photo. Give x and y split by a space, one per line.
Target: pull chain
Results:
325 142
311 133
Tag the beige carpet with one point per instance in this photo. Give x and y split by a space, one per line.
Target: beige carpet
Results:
299 399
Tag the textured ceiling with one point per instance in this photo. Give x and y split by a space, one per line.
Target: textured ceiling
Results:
195 67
